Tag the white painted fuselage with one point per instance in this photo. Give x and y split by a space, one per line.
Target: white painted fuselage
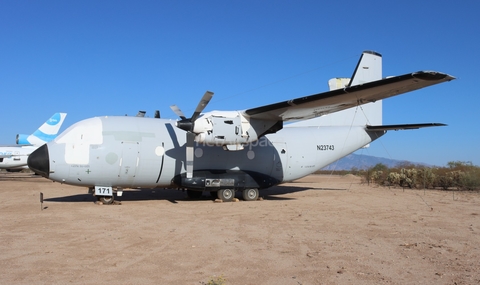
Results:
130 152
15 157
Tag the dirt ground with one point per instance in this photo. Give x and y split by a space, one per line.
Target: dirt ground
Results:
321 229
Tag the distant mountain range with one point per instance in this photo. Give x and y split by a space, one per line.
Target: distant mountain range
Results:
360 162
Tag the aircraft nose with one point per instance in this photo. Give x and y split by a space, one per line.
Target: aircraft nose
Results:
38 161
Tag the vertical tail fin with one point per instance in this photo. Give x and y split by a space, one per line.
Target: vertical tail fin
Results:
45 133
369 68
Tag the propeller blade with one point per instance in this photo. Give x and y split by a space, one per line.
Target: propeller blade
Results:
188 125
189 153
201 105
178 112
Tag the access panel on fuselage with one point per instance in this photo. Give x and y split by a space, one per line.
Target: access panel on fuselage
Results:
128 163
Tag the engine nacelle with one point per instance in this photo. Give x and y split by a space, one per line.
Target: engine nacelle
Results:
229 129
22 139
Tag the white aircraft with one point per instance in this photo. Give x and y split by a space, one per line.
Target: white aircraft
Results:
227 151
14 157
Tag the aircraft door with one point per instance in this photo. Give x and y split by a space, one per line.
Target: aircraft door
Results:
280 160
128 164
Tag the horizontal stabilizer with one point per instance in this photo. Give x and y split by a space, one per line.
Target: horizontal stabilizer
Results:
403 127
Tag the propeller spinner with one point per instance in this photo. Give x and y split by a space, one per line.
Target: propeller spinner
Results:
188 124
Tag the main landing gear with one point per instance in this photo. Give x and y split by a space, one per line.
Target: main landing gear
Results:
251 194
227 195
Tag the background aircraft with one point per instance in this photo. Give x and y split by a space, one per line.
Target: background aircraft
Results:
14 157
227 151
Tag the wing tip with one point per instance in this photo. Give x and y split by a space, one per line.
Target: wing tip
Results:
432 75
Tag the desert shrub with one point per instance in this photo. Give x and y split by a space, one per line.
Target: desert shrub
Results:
444 182
408 177
393 178
449 179
378 177
458 174
457 178
404 178
470 180
217 280
426 178
376 174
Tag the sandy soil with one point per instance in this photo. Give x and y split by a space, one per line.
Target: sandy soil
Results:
318 230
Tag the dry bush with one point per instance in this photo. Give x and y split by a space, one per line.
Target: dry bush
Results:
459 175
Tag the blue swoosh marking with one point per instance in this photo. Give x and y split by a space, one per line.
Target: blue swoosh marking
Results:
55 119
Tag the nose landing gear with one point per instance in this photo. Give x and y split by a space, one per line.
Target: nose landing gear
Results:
104 194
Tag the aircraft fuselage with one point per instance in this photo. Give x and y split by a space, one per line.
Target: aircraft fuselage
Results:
15 157
132 152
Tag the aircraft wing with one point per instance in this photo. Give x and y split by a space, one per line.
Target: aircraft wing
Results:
333 101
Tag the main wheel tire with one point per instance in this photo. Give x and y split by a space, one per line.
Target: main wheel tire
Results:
250 194
226 195
107 200
192 194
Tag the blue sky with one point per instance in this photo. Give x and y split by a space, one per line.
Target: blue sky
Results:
94 58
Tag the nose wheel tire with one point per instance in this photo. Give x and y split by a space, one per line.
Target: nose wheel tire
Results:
106 200
250 194
226 195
